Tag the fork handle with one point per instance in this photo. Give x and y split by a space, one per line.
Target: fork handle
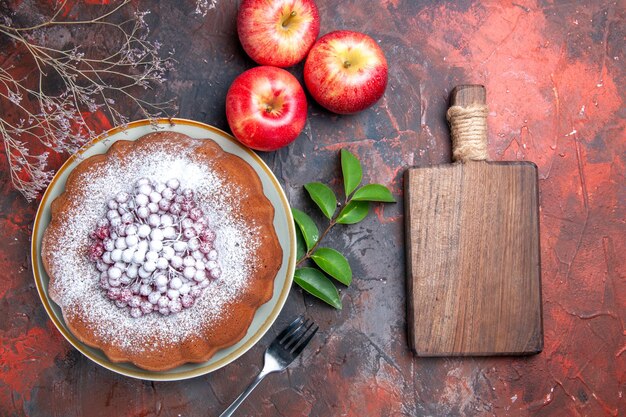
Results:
230 410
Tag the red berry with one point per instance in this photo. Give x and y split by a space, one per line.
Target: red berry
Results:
146 307
101 265
135 288
109 244
126 295
175 306
114 293
205 247
103 232
207 235
216 273
165 205
195 213
134 301
163 301
95 251
187 300
167 193
175 208
187 204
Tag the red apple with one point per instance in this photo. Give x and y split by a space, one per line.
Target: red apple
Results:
345 71
266 108
277 32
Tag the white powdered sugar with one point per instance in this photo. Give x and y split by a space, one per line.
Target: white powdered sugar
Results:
76 286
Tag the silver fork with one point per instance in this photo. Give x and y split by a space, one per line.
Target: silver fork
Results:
283 350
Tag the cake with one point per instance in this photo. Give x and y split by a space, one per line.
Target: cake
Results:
160 251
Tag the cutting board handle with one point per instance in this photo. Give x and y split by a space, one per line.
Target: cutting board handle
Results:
467 116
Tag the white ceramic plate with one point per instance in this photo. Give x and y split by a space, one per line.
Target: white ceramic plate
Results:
283 223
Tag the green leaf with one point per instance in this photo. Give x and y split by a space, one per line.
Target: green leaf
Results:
352 173
334 264
315 283
307 227
300 244
353 212
374 192
323 197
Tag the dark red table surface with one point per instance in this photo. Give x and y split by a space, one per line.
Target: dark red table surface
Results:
555 77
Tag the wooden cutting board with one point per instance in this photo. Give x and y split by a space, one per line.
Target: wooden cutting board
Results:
472 233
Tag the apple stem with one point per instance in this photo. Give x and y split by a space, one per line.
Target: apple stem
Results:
346 64
268 109
286 21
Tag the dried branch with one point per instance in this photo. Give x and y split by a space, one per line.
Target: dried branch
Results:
34 115
203 6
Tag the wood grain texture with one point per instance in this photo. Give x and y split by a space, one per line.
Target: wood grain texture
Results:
473 259
468 94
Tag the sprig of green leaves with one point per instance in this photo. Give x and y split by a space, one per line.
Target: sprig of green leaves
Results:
330 261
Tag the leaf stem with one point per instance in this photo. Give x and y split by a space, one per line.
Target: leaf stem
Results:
291 16
333 222
310 251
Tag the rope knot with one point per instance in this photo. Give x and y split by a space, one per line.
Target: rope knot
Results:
468 126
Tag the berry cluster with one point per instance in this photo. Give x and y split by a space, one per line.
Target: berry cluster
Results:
154 249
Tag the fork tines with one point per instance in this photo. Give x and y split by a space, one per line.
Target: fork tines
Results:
293 337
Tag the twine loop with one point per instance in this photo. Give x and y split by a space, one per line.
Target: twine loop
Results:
468 126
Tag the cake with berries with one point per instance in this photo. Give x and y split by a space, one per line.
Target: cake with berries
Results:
160 251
